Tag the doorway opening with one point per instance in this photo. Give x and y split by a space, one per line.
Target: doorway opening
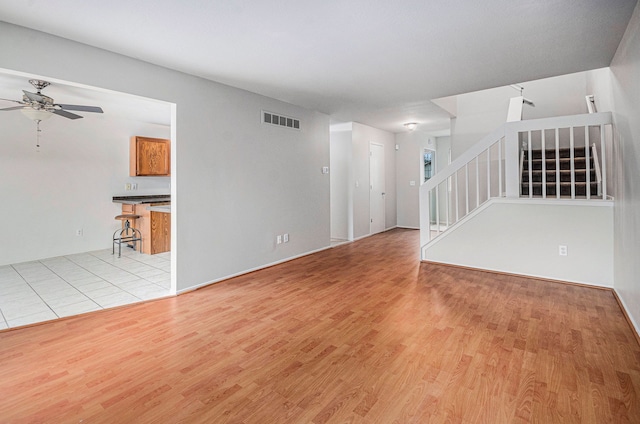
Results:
428 164
65 213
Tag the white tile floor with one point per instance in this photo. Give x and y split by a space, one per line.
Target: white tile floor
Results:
53 288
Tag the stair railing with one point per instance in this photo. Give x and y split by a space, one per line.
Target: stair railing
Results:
494 167
467 183
566 135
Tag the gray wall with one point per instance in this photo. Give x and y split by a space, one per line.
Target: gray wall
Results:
341 187
625 70
350 206
236 182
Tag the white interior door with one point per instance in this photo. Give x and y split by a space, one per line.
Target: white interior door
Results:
376 187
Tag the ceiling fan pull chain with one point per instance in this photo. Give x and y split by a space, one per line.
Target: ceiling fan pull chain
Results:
38 131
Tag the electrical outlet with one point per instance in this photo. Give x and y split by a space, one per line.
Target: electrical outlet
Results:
134 186
562 250
285 238
325 169
279 239
79 232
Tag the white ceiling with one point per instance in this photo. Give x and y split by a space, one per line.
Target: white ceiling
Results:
372 61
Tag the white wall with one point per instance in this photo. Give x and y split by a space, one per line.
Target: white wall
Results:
478 114
522 237
237 182
362 136
341 187
49 194
599 84
625 80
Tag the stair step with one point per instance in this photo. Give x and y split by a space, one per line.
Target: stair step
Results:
565 189
578 152
580 175
559 168
565 164
562 184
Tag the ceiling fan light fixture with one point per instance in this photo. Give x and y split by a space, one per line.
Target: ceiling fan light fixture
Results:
36 114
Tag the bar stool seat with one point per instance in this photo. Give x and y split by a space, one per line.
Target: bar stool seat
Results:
127 234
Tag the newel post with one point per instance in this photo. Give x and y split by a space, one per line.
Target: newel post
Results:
511 162
425 218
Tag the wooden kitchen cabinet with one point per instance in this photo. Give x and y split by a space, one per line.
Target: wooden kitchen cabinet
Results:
149 157
155 228
160 239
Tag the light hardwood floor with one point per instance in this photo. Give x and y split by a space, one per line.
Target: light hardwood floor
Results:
361 333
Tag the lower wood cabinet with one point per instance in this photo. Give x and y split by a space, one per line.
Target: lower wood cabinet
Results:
160 234
155 228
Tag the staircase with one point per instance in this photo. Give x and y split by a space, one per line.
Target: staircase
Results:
515 162
555 174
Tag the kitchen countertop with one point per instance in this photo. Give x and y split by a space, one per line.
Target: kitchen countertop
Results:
144 199
164 208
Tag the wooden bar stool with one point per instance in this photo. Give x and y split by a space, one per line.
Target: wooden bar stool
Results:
128 235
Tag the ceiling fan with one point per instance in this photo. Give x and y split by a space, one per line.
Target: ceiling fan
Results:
40 103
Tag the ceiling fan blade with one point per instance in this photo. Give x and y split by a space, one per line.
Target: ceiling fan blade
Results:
12 108
80 108
66 114
34 97
12 101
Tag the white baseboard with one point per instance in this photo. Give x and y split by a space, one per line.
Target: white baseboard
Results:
192 288
208 283
626 311
518 274
373 234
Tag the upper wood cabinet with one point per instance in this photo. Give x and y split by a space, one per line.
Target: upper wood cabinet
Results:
149 157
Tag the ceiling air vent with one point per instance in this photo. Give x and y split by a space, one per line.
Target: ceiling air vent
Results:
280 120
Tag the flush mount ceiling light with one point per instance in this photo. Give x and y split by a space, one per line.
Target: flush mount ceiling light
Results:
411 125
